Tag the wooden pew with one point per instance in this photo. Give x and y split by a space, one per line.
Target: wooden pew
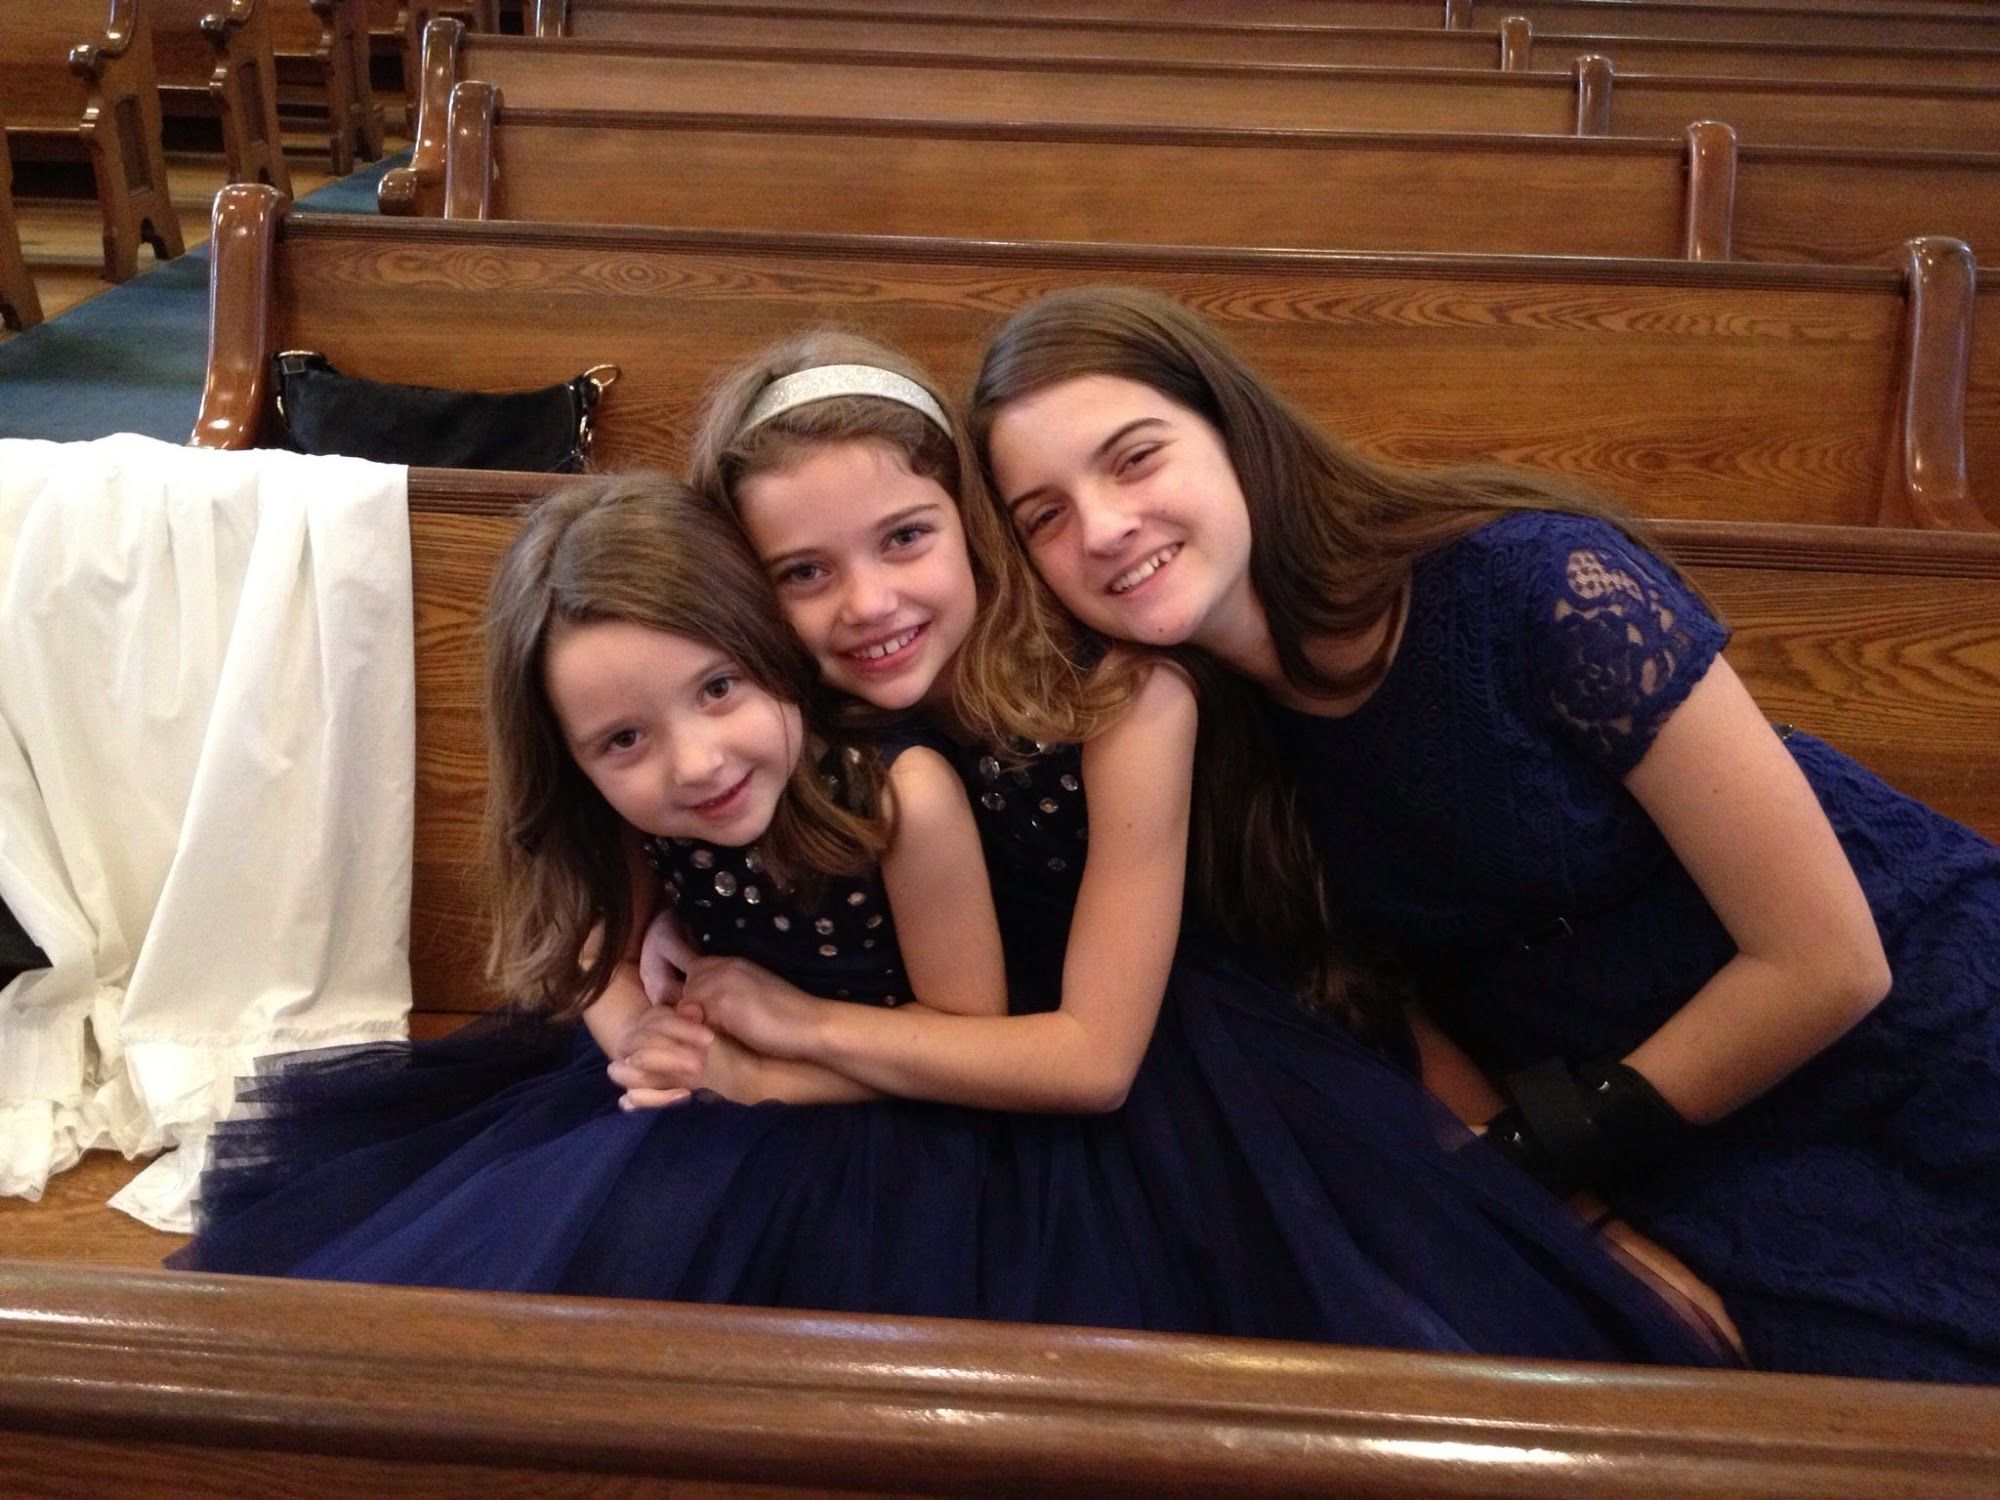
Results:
155 1385
219 52
1699 197
20 304
1791 393
397 27
1200 37
1589 100
325 42
1881 24
75 82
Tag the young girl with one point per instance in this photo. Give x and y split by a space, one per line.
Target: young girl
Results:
1303 1182
1538 788
645 698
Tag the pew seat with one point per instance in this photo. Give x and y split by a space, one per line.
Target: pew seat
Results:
322 46
153 1384
214 58
77 79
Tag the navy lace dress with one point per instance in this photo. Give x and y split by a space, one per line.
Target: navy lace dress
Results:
1476 831
1267 1177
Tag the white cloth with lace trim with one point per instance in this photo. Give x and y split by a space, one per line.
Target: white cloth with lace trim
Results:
206 787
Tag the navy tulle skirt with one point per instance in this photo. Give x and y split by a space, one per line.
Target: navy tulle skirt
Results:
1267 1176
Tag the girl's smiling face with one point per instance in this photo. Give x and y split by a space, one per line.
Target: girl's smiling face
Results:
1130 509
870 565
670 731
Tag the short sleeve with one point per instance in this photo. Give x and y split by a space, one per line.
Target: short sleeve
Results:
1617 639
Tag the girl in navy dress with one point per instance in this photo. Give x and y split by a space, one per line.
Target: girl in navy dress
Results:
1267 1176
1734 982
1316 1182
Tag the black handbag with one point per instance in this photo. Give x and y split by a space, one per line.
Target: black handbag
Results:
545 432
18 952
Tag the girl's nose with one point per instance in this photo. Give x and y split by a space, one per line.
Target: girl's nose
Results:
695 759
1102 526
869 596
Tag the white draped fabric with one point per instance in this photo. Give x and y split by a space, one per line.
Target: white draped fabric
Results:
206 787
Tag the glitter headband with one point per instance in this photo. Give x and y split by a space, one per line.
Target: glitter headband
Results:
824 382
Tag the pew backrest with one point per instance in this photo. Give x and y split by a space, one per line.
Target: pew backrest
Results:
1699 196
1514 43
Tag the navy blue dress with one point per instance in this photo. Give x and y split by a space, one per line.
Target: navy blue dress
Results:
1476 831
1268 1176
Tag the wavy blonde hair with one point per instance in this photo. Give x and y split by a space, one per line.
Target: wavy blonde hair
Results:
1020 673
643 549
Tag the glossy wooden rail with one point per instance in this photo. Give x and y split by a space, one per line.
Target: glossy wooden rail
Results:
1210 34
1788 393
220 52
1588 97
1701 196
80 72
1773 20
343 1390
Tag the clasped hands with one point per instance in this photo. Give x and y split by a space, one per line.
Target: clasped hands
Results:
709 1025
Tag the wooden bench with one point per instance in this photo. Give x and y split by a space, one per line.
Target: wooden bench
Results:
325 43
1880 24
1701 196
20 304
1793 393
151 1384
77 83
215 55
1207 37
396 27
1589 100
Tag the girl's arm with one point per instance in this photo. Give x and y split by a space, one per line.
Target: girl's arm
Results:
1734 806
1081 1057
613 1014
935 878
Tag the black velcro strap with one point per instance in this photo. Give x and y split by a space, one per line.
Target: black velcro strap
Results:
1557 1114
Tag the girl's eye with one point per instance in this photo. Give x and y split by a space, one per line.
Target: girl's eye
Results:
910 535
1040 517
718 687
1133 458
801 573
624 739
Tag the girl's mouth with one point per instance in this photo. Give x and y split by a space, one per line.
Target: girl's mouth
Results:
1134 579
887 655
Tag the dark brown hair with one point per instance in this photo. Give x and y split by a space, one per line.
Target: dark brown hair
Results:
1334 537
644 549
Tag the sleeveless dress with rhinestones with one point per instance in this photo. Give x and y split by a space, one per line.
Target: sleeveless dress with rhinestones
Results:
1475 828
1268 1176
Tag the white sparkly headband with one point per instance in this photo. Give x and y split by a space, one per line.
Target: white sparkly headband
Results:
824 382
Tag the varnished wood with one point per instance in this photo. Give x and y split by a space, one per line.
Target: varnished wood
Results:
1711 200
219 51
1213 34
1937 355
1891 25
537 73
1723 390
326 41
1174 185
263 1370
20 305
81 72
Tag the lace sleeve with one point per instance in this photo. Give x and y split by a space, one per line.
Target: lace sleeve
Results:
1618 641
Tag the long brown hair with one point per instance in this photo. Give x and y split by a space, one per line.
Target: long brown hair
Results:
647 550
1019 673
1334 537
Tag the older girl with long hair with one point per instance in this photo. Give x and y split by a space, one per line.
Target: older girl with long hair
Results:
1732 981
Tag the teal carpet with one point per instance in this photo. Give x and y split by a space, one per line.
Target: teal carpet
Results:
132 359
